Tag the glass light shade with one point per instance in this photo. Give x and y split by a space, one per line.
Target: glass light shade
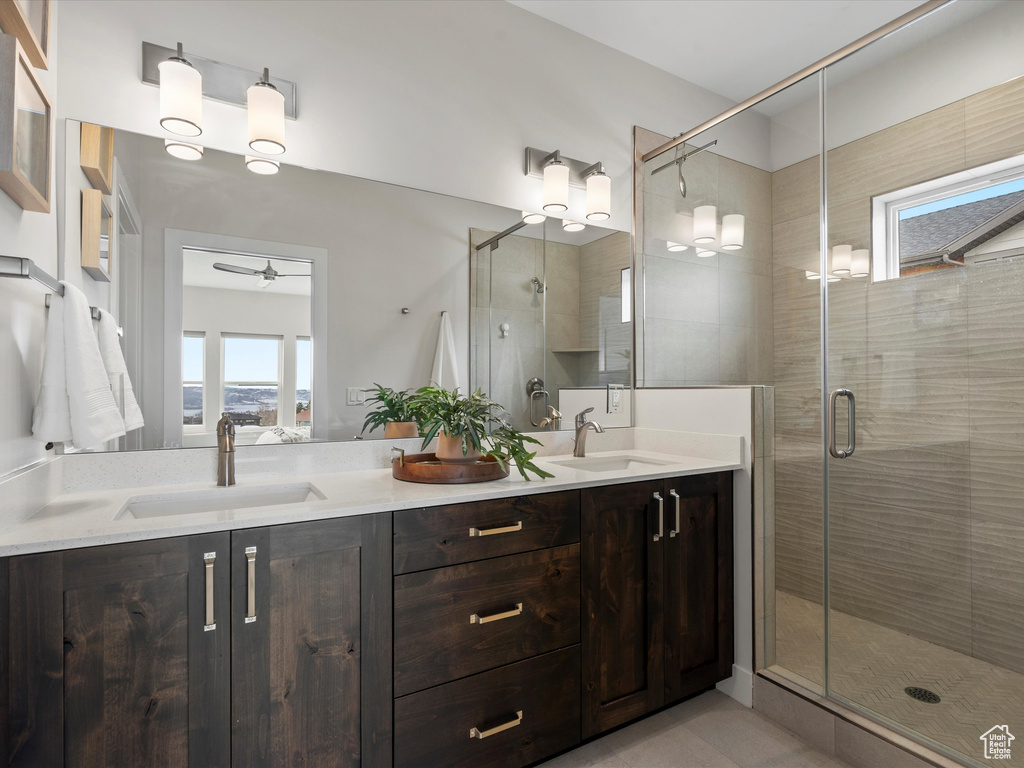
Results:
732 231
533 218
811 275
262 165
676 247
556 187
832 278
860 263
266 119
573 226
841 259
599 197
183 150
704 253
181 98
704 224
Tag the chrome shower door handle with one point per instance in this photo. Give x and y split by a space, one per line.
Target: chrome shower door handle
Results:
534 397
852 445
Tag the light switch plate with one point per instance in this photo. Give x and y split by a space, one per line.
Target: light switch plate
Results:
355 396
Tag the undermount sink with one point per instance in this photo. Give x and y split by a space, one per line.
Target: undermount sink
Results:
610 463
218 500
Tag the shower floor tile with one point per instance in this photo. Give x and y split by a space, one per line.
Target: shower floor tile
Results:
871 666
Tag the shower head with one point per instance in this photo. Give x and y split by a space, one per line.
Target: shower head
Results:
538 285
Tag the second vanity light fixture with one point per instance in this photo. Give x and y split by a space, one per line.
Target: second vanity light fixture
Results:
185 81
559 173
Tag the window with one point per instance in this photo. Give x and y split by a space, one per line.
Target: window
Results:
303 382
252 379
948 223
626 292
193 347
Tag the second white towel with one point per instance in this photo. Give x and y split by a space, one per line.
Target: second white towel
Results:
117 372
445 373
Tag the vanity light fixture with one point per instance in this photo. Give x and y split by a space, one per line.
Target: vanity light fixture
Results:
264 166
533 218
841 256
705 224
676 247
266 116
860 263
832 278
732 231
572 226
183 150
556 184
599 193
181 96
704 253
811 275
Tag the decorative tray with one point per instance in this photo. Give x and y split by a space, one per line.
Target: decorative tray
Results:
425 468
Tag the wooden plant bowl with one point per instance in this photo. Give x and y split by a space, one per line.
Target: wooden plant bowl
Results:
426 468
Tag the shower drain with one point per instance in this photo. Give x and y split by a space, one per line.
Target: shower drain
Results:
922 694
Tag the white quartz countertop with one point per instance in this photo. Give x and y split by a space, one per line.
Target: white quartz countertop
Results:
92 518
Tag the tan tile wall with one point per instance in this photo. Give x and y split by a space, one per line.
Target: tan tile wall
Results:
928 516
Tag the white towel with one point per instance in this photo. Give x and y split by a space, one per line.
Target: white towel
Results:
92 412
117 372
446 368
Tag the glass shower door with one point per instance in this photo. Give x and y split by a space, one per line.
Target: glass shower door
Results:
925 335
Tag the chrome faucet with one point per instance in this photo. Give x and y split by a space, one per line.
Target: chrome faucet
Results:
552 420
582 427
225 451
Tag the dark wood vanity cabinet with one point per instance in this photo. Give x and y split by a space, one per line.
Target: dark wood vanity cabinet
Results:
657 595
264 647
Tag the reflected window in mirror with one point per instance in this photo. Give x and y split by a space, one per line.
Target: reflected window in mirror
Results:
303 382
193 348
252 380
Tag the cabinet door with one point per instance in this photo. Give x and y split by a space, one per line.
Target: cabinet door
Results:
109 659
622 567
698 583
311 643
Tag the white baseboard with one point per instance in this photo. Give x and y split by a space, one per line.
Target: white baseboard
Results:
740 686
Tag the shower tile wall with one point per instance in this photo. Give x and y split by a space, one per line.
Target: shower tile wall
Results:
708 320
600 319
927 529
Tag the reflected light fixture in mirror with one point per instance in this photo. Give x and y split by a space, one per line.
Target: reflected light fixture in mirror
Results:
533 218
573 226
264 166
732 231
181 96
860 263
704 224
811 275
841 259
265 106
599 195
183 150
556 185
704 253
676 247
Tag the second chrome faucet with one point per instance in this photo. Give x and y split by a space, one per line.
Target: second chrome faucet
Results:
582 428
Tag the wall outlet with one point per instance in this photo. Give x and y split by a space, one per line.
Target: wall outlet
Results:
355 396
615 395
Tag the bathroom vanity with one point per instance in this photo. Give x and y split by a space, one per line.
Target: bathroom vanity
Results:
494 631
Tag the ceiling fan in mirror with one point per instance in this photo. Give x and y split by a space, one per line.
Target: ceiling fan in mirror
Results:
266 276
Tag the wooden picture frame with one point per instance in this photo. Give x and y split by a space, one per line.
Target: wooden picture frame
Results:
97 235
26 130
29 21
97 156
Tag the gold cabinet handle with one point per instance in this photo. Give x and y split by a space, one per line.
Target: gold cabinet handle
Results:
475 619
476 733
679 527
492 531
250 608
208 559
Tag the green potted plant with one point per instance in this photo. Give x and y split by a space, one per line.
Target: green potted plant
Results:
471 427
396 412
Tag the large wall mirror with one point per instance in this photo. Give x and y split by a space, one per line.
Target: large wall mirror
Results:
281 298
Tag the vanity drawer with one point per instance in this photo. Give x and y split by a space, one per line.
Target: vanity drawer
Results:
461 533
457 621
443 726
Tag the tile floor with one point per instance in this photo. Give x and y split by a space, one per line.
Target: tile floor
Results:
711 730
871 665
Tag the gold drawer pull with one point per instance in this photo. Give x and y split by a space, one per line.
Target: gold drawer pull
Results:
491 531
476 733
474 619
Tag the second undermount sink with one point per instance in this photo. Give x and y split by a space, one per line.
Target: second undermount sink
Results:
611 463
218 500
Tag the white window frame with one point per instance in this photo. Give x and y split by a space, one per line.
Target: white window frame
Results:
295 394
224 383
193 429
885 209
